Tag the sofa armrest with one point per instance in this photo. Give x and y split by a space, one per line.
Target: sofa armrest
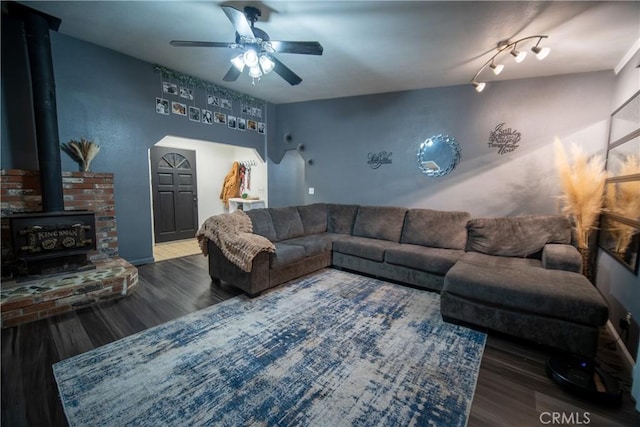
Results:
561 257
252 282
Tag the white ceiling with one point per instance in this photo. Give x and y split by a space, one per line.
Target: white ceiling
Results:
369 46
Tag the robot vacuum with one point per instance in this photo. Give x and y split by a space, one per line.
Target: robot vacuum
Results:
582 376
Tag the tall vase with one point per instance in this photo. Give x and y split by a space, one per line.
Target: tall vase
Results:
587 270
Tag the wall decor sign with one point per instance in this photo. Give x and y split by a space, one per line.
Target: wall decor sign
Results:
375 160
505 139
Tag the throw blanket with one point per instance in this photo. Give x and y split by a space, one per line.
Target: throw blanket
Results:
232 233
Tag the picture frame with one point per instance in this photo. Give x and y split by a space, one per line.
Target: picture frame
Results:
256 112
226 103
162 106
213 100
179 108
220 118
262 128
194 114
231 122
170 88
252 125
207 117
242 124
186 92
245 109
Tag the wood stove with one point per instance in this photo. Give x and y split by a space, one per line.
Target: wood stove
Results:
46 243
54 240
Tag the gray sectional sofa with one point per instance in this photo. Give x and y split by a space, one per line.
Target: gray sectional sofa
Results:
517 275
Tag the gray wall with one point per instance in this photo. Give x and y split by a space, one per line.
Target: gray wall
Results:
338 134
109 98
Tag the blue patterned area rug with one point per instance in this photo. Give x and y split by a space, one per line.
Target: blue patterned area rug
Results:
332 348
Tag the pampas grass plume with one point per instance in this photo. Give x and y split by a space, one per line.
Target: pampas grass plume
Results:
82 151
582 183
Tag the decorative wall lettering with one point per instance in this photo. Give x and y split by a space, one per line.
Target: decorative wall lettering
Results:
506 140
378 159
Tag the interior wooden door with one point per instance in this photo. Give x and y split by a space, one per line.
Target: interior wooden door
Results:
175 195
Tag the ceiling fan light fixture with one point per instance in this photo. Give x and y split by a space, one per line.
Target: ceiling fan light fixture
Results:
266 64
497 68
255 72
519 55
238 62
250 58
541 52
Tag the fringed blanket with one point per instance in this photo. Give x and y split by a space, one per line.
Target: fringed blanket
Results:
232 233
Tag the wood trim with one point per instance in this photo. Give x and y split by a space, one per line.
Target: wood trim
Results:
627 221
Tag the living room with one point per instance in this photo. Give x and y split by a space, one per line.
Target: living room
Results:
106 96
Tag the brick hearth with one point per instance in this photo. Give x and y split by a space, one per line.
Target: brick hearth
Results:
41 298
20 191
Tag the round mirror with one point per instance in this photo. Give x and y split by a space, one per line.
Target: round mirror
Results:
438 155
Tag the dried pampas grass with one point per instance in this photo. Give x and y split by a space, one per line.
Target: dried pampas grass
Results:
82 151
624 200
582 184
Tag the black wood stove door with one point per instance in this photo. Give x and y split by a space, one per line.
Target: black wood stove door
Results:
175 195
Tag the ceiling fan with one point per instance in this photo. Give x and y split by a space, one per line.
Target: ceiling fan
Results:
257 48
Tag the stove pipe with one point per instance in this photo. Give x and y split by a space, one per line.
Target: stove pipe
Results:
43 88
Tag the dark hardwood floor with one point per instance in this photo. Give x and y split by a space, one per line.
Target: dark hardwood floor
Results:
512 388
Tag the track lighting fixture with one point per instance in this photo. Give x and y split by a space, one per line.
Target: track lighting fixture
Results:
519 56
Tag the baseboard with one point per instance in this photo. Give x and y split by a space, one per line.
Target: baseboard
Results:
628 359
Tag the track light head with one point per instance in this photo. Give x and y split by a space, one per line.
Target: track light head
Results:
497 68
519 55
478 85
541 52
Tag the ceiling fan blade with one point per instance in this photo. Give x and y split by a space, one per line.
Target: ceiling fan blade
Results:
189 43
232 75
239 21
285 72
306 48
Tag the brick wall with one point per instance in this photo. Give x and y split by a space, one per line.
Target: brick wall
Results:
20 191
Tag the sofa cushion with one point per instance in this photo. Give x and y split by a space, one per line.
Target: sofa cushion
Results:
561 257
285 254
316 243
432 260
379 222
314 218
524 286
517 236
437 229
262 223
363 247
341 217
286 222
